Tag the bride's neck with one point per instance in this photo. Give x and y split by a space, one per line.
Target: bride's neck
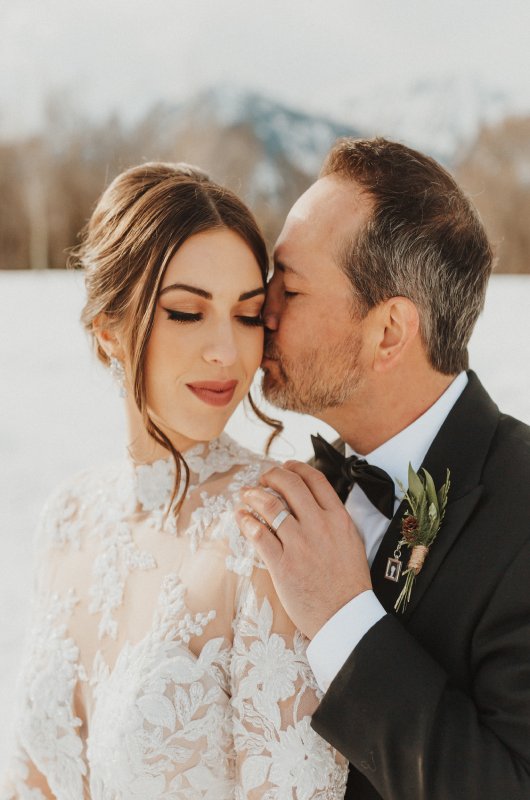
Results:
142 448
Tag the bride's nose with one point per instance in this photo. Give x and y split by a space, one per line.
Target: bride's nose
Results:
221 346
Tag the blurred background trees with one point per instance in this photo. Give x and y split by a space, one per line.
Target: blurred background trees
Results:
267 152
496 172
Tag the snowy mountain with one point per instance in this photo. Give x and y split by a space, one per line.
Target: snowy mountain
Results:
265 150
274 142
301 138
440 116
269 153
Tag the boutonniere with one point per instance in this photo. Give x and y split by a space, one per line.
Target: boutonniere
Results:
419 528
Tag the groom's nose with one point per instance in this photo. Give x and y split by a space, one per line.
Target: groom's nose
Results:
271 310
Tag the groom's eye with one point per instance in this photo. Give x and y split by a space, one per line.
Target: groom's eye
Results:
289 294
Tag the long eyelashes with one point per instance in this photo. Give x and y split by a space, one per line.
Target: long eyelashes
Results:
182 316
252 321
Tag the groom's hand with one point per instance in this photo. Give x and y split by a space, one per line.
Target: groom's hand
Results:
316 558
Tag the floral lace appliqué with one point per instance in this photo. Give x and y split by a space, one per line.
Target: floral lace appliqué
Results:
48 727
222 454
173 707
288 758
154 484
118 557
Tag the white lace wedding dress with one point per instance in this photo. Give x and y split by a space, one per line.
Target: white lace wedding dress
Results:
160 662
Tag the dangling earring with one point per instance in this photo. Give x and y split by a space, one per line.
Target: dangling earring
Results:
118 373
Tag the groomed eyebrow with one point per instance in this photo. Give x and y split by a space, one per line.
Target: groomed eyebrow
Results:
207 295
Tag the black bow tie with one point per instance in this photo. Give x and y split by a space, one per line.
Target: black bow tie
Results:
343 473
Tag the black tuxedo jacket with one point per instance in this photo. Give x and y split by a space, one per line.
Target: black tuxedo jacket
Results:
434 703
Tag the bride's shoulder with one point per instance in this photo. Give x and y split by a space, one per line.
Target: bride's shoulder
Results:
230 463
86 484
76 499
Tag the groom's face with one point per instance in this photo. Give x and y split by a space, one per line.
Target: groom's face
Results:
314 339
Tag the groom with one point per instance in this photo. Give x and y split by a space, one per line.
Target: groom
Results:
380 274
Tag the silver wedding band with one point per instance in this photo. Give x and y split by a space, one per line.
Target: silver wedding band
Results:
278 519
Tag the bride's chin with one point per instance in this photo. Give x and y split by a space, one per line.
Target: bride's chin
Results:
202 425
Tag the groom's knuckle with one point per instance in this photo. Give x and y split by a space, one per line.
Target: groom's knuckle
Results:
295 466
290 479
319 478
271 504
271 476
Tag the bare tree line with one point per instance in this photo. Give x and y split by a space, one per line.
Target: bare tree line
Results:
496 173
50 182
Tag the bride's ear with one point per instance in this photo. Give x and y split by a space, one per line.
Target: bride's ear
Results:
398 328
107 338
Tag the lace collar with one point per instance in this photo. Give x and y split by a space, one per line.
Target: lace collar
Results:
153 483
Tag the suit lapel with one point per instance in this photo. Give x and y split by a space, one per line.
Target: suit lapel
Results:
456 517
461 445
387 591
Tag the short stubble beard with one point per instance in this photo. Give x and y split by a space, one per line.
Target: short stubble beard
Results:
322 377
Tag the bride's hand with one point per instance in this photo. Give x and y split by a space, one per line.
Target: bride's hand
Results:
316 557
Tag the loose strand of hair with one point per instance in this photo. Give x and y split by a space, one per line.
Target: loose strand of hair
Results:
180 466
154 430
273 423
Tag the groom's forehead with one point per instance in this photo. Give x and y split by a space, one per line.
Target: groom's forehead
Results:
328 197
303 255
328 213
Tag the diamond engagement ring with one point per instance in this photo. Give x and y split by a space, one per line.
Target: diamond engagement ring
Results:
278 519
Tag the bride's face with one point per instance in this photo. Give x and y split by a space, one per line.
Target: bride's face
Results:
207 337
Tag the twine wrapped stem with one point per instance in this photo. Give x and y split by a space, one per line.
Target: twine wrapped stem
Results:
417 558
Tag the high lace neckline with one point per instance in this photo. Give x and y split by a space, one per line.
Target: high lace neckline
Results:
153 483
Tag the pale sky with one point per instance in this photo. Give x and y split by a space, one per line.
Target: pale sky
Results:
128 54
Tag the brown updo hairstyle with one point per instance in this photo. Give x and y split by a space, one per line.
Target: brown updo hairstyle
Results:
137 226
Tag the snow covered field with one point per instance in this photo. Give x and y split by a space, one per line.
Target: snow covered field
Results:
59 412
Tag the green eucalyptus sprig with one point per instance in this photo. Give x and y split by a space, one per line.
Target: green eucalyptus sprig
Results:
420 524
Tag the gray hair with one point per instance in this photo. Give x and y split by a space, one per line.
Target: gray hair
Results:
424 240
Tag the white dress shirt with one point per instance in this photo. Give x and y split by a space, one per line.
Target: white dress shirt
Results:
331 646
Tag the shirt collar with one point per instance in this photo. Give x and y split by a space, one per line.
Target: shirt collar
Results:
412 443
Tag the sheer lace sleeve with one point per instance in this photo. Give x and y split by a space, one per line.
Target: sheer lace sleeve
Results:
24 780
274 693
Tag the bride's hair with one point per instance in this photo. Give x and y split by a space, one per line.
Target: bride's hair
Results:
138 224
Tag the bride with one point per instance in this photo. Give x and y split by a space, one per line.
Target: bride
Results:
160 662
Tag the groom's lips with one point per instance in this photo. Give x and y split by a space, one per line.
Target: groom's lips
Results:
214 393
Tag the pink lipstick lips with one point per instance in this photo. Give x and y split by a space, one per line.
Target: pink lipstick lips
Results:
214 393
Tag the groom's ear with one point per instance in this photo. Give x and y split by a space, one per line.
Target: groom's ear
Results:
397 325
